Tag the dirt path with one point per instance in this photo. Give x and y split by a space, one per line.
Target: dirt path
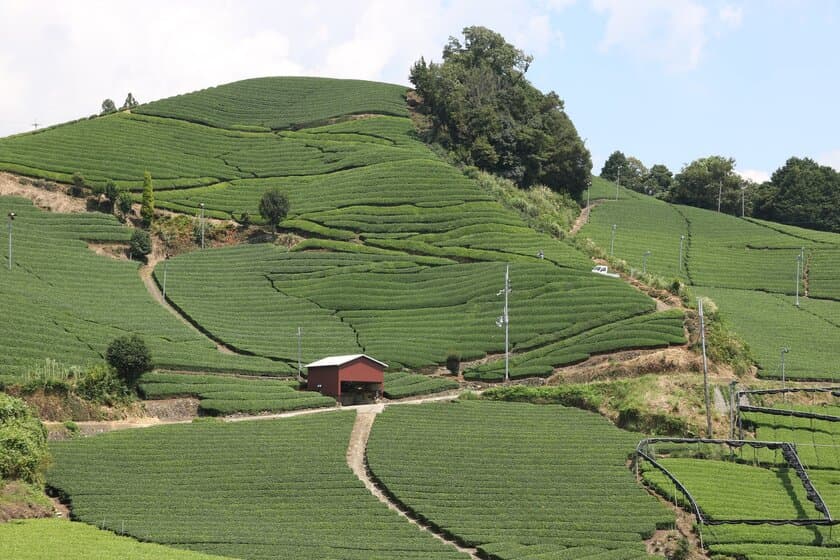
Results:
146 275
365 417
583 218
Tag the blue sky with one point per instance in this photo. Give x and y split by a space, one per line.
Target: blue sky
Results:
667 81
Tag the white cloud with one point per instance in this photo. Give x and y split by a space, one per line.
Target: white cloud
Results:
732 16
755 175
831 158
671 32
59 60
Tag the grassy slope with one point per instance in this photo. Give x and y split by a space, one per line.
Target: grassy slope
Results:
747 266
251 490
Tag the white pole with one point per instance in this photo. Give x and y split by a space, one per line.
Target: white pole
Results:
300 373
165 262
202 225
785 350
798 267
11 219
720 192
612 240
644 262
507 322
617 183
743 193
682 239
705 368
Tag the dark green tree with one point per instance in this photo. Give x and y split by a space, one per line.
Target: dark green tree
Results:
615 166
129 103
130 357
111 191
700 182
480 107
659 179
124 202
801 193
77 184
274 206
147 208
108 106
140 244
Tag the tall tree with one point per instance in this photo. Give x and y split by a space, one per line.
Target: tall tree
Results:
480 106
802 193
108 106
147 208
130 102
274 206
702 181
615 166
659 179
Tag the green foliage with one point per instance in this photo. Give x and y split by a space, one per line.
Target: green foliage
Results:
23 442
147 208
77 185
802 193
222 395
130 357
129 103
100 384
481 107
124 202
111 191
37 539
108 107
274 207
614 166
701 182
511 479
140 243
291 474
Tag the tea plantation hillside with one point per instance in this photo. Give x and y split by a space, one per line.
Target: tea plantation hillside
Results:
748 267
401 254
249 490
517 480
62 301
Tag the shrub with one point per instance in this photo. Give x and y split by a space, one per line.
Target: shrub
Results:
141 243
124 202
23 442
100 384
274 206
453 363
77 187
147 210
130 357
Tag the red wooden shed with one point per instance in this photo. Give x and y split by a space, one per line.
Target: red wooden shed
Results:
355 372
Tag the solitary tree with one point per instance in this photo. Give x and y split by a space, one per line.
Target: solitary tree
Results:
616 164
274 206
130 356
111 191
124 202
108 106
147 210
141 243
130 102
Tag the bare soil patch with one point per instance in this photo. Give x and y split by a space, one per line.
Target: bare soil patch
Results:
630 363
18 502
53 198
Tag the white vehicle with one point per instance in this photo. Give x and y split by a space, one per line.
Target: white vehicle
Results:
603 270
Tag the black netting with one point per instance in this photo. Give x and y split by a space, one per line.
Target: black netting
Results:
793 413
791 459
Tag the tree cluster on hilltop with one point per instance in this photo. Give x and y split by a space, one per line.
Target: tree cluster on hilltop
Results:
481 108
801 192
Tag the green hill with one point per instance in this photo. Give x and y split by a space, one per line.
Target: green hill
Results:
747 266
403 254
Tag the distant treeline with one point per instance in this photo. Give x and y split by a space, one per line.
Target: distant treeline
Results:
801 192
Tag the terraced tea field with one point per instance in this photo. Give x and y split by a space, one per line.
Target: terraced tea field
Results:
250 490
748 267
516 480
67 303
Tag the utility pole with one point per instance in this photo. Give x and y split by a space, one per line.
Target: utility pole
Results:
705 368
618 183
612 240
300 369
680 266
202 224
504 321
165 262
798 272
720 192
35 124
644 262
732 404
743 196
11 219
785 350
